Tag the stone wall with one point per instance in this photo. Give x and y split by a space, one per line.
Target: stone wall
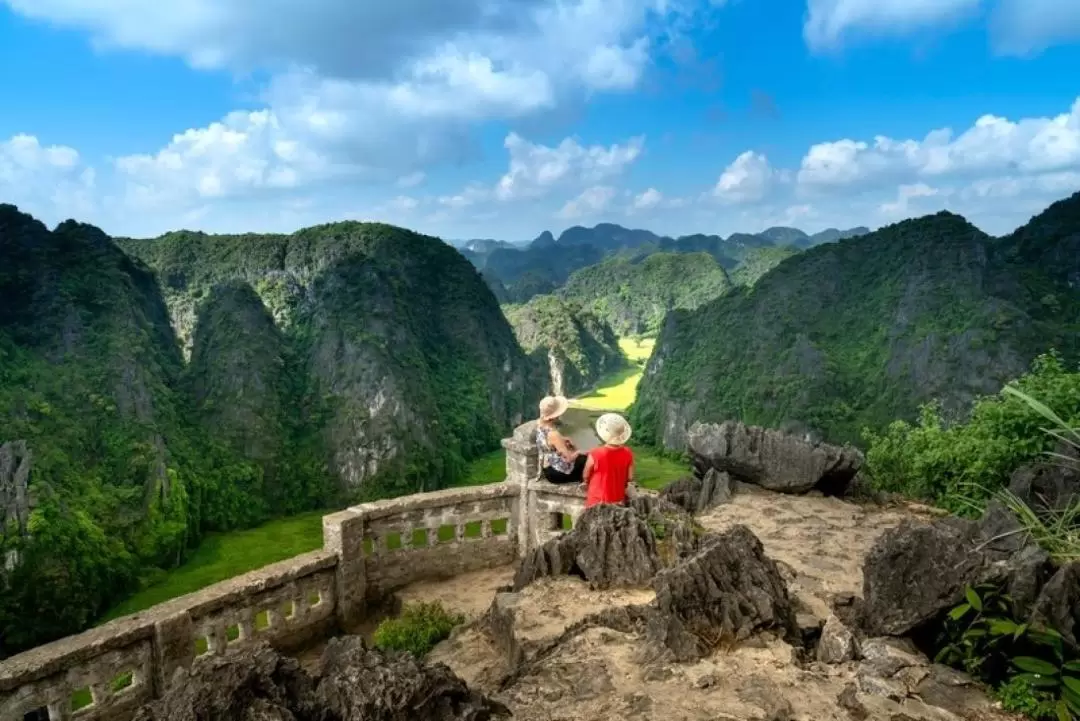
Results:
368 551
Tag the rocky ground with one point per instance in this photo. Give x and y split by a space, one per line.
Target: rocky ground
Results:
819 543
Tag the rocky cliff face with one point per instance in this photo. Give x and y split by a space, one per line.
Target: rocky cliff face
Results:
398 336
574 345
862 331
634 295
348 359
93 469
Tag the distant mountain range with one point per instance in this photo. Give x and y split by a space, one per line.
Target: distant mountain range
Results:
518 271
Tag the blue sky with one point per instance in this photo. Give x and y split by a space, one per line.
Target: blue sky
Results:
502 118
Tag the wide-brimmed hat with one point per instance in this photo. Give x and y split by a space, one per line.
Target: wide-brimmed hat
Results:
613 429
552 407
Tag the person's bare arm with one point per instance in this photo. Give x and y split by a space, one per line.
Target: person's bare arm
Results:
560 444
630 473
586 473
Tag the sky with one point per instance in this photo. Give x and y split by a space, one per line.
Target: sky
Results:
504 118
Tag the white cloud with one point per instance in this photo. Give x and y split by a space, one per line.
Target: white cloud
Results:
992 146
901 207
50 182
1018 27
748 179
648 199
592 201
827 21
536 169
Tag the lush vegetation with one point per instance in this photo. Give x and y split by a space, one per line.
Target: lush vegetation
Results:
221 556
759 261
954 464
576 346
419 627
635 294
346 360
616 392
861 332
1034 670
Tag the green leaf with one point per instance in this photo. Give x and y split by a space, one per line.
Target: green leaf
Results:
1035 665
1072 683
1019 631
960 611
1071 666
973 598
1071 698
1038 681
1002 627
1062 710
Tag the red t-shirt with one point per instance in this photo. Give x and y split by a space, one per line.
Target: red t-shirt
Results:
610 474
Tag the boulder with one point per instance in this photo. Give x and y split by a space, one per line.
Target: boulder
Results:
725 593
696 495
837 643
362 683
610 546
1058 604
771 459
259 684
253 684
616 545
917 571
1049 485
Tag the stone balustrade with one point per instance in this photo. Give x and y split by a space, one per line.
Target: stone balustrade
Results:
369 551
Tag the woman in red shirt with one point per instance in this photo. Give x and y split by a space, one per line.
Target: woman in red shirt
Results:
610 468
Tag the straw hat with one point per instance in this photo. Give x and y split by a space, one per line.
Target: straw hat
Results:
613 428
552 407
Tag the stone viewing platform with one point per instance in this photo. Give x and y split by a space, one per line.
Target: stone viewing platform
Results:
369 551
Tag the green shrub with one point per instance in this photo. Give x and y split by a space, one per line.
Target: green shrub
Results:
948 464
419 627
1033 669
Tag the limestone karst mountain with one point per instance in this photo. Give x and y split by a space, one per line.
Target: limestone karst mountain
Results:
575 345
634 294
341 361
861 332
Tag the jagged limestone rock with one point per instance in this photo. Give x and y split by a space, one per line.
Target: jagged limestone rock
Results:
362 683
726 592
772 459
610 546
917 571
837 643
696 495
356 683
15 463
1058 604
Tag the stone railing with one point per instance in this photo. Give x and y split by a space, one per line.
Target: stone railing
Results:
368 552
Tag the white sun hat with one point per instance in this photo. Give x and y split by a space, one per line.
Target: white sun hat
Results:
613 429
552 407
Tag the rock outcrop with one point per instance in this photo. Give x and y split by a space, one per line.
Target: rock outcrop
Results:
917 571
1058 604
15 463
726 592
356 683
711 589
697 495
771 459
1053 486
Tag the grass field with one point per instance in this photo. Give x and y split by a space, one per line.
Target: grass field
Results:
224 555
617 391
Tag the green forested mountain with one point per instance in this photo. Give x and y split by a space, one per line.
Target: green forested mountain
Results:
344 360
634 294
860 332
759 261
546 263
576 346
